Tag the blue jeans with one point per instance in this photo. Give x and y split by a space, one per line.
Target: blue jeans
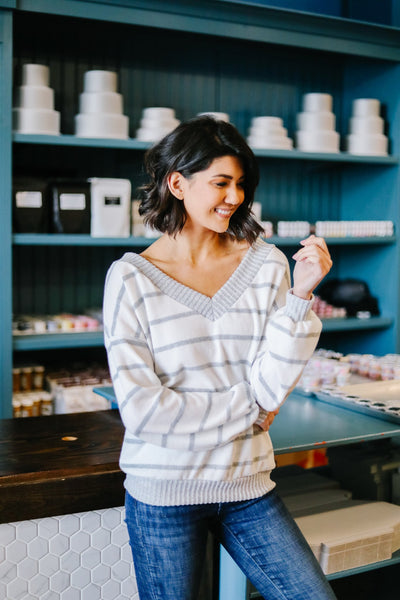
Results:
168 546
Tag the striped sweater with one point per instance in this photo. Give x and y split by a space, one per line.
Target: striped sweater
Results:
193 375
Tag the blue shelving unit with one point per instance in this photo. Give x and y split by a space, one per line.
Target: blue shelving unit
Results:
241 58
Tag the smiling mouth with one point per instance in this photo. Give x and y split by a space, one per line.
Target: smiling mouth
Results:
223 212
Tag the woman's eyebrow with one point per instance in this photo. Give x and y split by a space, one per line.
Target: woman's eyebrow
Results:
226 176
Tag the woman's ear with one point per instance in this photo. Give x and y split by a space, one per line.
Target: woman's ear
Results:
175 184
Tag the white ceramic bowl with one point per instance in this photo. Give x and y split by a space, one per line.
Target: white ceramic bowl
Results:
100 81
317 141
368 145
100 102
33 74
366 125
36 120
35 96
316 121
316 102
366 107
97 125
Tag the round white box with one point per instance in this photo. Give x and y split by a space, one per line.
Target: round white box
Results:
33 74
97 125
158 112
36 120
100 81
366 125
100 102
220 116
262 133
267 123
316 121
158 123
366 107
270 142
35 96
367 145
316 102
317 141
153 134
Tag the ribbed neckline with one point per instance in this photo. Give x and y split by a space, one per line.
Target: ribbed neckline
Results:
211 308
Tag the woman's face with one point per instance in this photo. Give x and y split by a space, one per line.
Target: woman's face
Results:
212 196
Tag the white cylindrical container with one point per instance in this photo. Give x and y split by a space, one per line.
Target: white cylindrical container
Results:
316 121
101 125
100 102
369 145
270 142
261 132
317 141
33 74
267 123
366 107
151 124
41 121
100 81
35 96
316 102
366 125
158 112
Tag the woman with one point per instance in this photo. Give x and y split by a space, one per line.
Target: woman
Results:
205 340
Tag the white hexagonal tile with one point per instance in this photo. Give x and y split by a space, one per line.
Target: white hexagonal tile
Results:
8 571
49 564
111 518
71 594
17 588
70 561
38 585
90 521
79 541
38 548
47 527
27 568
100 539
101 574
122 570
69 524
119 536
26 531
111 590
3 590
59 544
91 592
90 558
126 552
80 578
16 551
59 581
110 555
129 589
7 533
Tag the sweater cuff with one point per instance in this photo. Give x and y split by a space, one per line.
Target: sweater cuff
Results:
297 308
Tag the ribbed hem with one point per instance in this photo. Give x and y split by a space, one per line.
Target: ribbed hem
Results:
297 308
159 492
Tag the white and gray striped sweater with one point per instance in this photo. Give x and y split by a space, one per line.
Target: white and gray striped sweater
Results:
193 375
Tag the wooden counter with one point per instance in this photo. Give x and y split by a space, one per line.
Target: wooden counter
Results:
60 464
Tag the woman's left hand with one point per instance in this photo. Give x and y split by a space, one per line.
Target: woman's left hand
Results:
313 262
266 424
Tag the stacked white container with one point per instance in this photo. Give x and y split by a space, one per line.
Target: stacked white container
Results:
100 107
156 122
268 132
316 124
366 128
34 112
219 116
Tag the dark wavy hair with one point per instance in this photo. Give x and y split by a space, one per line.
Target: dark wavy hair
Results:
188 149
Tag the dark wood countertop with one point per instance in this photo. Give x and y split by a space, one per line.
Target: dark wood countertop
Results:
60 464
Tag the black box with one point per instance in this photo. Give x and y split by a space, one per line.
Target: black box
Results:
71 206
31 205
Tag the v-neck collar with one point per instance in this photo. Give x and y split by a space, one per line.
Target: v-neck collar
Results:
210 307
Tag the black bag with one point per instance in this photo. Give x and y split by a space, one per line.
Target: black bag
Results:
351 294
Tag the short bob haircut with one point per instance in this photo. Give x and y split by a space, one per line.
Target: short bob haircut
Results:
188 149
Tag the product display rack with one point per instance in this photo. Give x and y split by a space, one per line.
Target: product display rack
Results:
214 55
231 49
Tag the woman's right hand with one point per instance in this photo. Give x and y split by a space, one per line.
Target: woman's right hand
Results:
266 424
